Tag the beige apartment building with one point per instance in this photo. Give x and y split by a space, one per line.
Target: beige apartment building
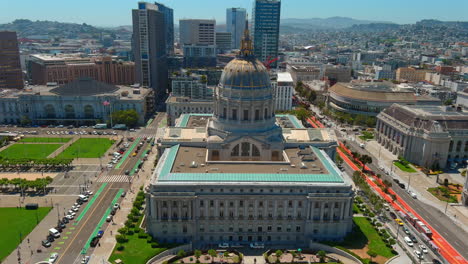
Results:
410 74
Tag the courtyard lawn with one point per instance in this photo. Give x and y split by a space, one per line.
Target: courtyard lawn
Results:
403 167
45 140
87 148
366 135
32 151
363 237
375 241
15 222
136 251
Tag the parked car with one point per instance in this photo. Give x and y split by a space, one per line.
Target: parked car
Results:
53 257
100 233
94 241
223 245
418 254
123 194
423 249
406 230
399 222
46 243
116 206
85 260
257 245
109 218
408 241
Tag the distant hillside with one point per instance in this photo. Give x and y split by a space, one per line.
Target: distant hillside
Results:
324 23
372 27
27 28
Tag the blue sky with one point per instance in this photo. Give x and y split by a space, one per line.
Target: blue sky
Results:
117 12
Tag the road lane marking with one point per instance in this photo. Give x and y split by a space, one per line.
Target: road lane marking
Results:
101 222
81 227
90 203
125 156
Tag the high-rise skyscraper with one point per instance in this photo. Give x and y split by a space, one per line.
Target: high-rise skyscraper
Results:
169 26
197 31
149 49
11 75
265 29
235 24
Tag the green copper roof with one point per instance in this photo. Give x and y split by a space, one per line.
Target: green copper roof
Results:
166 176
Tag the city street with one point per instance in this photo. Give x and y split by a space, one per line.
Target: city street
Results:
106 185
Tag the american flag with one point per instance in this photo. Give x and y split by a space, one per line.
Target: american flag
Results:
105 103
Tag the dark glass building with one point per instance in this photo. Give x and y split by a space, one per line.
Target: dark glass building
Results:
169 26
265 29
149 49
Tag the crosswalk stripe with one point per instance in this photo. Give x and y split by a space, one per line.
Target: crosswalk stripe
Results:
113 178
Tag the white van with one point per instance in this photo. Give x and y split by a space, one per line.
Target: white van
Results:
54 232
83 198
409 241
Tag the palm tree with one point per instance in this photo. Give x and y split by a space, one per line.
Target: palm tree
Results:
322 254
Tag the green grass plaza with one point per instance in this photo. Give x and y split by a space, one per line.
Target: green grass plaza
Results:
15 225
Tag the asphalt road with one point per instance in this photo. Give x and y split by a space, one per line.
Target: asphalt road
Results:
454 235
71 253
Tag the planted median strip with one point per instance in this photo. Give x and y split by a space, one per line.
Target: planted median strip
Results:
101 222
130 150
90 203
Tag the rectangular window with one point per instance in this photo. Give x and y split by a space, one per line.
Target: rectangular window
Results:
257 114
224 112
246 115
234 114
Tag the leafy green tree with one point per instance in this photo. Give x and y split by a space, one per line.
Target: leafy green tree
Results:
181 253
197 254
25 120
127 117
372 254
278 254
212 253
365 159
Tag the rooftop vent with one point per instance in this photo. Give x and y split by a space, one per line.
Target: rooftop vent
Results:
193 164
303 165
284 169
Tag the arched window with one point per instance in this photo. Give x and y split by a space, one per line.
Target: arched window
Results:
88 112
255 151
275 155
69 112
459 143
266 113
235 151
245 149
215 155
49 111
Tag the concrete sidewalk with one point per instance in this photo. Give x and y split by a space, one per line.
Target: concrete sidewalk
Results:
101 254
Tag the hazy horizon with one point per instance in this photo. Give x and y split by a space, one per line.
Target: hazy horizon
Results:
106 13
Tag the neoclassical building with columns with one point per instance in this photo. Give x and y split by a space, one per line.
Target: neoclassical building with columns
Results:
428 136
244 174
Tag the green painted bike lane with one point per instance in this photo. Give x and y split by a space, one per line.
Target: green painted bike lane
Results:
90 203
99 225
139 161
130 150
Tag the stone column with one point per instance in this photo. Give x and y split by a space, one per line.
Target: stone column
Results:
255 214
275 209
342 206
179 206
207 204
285 208
158 204
236 209
169 206
322 210
216 213
294 216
